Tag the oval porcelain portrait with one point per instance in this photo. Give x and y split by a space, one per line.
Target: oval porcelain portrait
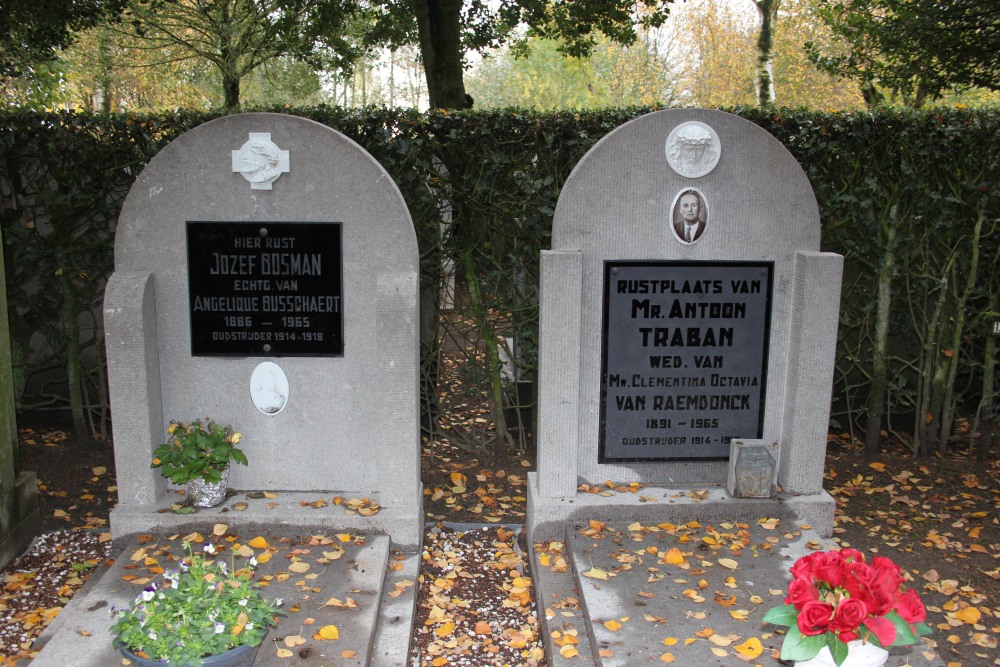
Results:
689 215
269 388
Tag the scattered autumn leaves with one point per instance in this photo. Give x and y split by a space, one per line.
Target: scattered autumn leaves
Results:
458 489
939 519
298 563
692 562
476 601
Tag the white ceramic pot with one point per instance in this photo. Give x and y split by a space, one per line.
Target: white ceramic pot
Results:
859 654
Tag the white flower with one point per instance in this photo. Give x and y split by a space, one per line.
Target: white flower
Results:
243 602
152 636
220 628
253 561
248 626
209 548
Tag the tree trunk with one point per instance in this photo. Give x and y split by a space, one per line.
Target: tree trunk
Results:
768 10
74 366
871 94
880 370
489 340
231 92
439 23
958 333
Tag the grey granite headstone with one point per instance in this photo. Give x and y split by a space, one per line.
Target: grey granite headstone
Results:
296 324
684 305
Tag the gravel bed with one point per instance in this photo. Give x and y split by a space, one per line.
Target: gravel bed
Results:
38 584
476 603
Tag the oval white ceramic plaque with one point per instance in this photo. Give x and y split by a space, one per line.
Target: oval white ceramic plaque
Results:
269 388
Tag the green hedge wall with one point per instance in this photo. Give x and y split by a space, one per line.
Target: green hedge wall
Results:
911 199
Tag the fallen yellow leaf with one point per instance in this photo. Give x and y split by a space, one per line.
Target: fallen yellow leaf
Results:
728 563
751 648
596 573
258 543
969 615
329 632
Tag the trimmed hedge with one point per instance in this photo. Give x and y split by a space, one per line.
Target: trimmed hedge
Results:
910 198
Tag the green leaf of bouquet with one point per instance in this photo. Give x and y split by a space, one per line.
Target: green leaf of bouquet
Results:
838 649
904 634
784 615
798 646
923 629
187 509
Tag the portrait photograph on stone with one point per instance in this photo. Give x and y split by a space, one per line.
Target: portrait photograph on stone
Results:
689 217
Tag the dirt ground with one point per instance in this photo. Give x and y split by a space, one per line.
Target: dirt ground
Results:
939 518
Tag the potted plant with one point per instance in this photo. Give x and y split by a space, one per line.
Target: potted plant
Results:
843 611
204 613
198 455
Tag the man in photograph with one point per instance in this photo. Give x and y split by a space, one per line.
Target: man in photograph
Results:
689 216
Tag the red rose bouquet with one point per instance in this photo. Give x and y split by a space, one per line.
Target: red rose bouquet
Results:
836 597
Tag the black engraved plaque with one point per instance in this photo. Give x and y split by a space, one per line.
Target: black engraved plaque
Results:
265 289
684 362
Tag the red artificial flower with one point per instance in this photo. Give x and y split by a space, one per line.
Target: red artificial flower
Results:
829 567
882 628
880 599
802 569
910 608
814 618
849 615
858 577
801 591
852 555
887 573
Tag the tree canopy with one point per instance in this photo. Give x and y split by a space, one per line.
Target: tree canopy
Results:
238 36
916 48
31 31
446 29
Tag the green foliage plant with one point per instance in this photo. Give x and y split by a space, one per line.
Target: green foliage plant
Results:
197 450
205 608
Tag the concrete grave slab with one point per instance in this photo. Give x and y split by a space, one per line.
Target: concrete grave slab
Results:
367 571
633 593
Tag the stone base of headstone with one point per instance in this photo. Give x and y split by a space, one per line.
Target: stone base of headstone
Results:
286 509
547 517
20 517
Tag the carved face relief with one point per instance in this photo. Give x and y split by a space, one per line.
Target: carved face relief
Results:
693 149
260 161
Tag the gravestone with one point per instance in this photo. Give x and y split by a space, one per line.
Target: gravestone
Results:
685 311
266 277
